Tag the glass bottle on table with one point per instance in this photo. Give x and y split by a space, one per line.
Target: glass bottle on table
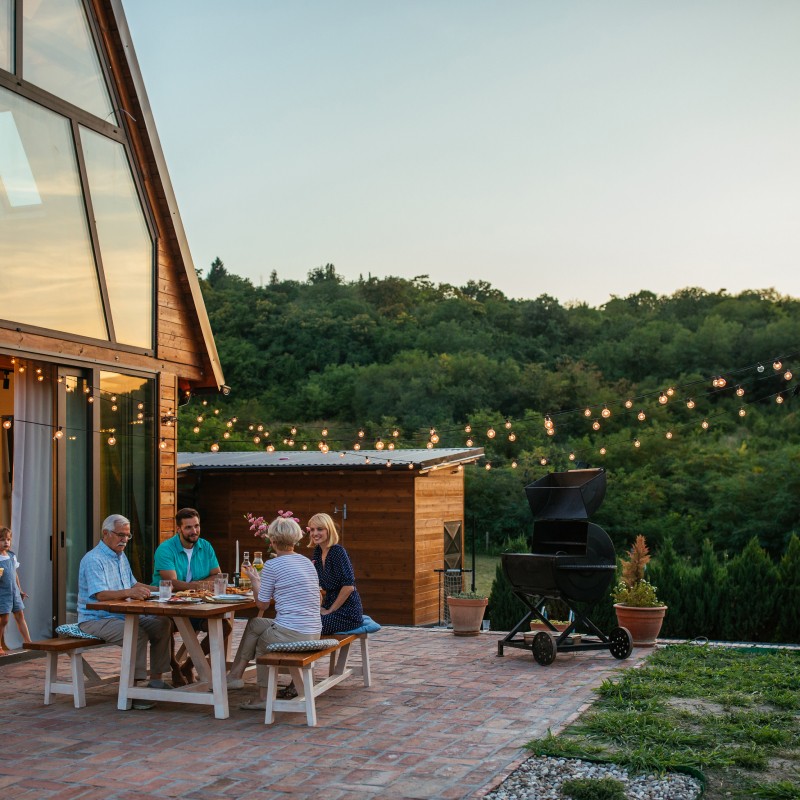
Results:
244 578
258 561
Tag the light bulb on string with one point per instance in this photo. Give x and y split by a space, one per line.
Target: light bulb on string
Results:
199 417
548 423
670 391
739 391
603 451
662 398
256 439
205 402
491 433
629 404
114 408
606 412
270 448
389 464
59 434
361 433
163 443
139 414
356 445
379 445
551 431
342 454
641 416
215 447
488 466
469 442
742 412
234 419
290 442
587 412
293 430
668 434
690 403
468 429
216 412
390 446
435 438
7 424
512 437
572 456
508 424
396 433
704 424
229 423
787 376
596 425
543 461
637 443
776 365
324 431
112 440
251 427
429 445
513 465
226 435
304 446
260 428
779 399
90 399
196 429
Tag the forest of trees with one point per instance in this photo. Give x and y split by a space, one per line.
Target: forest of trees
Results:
386 354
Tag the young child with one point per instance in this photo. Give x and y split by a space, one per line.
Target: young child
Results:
11 594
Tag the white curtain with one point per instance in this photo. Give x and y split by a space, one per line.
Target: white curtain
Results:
32 502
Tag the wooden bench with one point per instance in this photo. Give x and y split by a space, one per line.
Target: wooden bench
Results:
82 676
300 666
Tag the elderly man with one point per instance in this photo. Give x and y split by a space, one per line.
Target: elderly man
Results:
188 561
105 574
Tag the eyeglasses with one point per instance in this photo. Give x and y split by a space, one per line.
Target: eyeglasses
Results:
125 536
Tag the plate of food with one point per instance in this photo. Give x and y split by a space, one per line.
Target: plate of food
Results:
229 598
184 600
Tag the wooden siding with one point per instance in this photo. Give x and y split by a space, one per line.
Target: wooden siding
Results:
438 498
393 531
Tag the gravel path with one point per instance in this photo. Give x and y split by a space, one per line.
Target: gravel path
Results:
540 778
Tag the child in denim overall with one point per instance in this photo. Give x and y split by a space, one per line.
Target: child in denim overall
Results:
11 595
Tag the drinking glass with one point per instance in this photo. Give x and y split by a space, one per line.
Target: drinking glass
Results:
164 590
221 583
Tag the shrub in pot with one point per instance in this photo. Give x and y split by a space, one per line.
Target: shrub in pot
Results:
466 612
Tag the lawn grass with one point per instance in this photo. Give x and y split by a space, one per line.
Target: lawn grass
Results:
485 567
732 713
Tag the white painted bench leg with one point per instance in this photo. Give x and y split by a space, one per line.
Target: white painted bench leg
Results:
272 693
365 670
308 691
76 670
50 677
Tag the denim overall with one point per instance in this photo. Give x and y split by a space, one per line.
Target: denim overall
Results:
10 597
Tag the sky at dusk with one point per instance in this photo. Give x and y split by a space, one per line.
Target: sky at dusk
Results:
578 149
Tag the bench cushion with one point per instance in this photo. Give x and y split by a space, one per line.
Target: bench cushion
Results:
296 647
72 631
368 625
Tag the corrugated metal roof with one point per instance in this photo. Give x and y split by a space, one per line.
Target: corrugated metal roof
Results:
289 460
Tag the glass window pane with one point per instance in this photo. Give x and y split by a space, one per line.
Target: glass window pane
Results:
126 467
7 35
47 269
125 244
59 55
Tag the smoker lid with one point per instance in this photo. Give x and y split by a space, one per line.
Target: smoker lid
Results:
575 494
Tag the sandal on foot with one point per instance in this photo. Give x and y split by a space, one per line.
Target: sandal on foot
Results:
235 683
254 705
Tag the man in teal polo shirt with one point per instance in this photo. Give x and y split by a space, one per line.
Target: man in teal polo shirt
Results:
188 561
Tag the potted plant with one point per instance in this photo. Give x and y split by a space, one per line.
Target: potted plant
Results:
635 601
466 612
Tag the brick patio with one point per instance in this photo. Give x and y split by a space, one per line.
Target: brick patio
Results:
445 718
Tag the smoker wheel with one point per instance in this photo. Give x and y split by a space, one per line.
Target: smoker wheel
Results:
544 648
621 643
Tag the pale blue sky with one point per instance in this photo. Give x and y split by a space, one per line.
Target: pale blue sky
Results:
579 149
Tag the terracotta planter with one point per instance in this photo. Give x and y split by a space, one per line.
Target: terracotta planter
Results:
466 615
538 625
644 624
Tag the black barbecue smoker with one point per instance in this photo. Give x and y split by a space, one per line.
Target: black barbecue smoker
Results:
571 559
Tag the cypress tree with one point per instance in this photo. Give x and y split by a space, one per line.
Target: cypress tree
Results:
788 601
750 601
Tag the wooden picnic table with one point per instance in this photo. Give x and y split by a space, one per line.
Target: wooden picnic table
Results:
211 670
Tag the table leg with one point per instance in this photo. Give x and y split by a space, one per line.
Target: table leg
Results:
127 671
216 653
192 644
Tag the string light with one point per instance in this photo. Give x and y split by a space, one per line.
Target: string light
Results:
596 425
690 403
508 424
215 447
551 431
468 429
587 412
779 399
513 465
668 434
391 445
271 448
704 424
629 404
606 412
469 443
324 431
196 429
356 446
543 461
256 439
637 443
572 456
293 430
163 443
491 433
429 445
361 433
603 451
776 365
112 440
512 437
226 435
760 368
396 433
662 398
59 434
742 412
670 391
641 416
548 423
379 444
787 376
488 466
739 391
7 424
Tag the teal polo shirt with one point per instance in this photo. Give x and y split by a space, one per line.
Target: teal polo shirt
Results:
169 555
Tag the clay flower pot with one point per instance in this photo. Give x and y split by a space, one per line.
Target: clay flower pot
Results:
466 614
644 623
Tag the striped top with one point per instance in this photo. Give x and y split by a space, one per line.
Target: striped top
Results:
291 581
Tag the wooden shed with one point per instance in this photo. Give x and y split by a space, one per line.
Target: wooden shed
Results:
401 516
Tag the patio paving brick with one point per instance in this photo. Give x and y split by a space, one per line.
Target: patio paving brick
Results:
445 718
